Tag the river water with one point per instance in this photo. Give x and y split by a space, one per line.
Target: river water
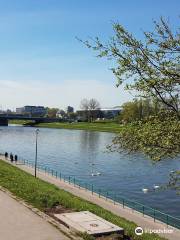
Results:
80 153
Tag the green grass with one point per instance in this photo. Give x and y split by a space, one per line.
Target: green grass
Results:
41 195
95 126
21 122
102 126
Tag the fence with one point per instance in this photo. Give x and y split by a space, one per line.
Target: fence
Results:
115 198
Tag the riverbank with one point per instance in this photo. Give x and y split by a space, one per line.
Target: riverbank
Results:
95 126
44 195
101 127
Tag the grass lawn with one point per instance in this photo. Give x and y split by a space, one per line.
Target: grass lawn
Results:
43 195
20 122
103 127
95 126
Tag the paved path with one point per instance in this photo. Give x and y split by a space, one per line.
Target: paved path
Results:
17 222
145 222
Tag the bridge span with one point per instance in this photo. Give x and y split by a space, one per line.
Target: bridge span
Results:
4 118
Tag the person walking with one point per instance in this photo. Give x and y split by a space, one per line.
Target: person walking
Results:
15 158
11 157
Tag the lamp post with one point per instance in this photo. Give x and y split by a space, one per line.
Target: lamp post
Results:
35 170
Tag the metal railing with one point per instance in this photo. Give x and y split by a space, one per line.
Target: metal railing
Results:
115 198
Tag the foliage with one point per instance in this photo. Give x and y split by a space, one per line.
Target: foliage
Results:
139 110
130 112
41 194
150 67
86 236
61 113
52 112
157 137
174 181
72 116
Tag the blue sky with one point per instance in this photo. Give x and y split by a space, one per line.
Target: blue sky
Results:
42 63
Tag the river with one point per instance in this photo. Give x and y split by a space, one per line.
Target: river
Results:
80 153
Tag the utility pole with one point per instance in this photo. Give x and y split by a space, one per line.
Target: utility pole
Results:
35 169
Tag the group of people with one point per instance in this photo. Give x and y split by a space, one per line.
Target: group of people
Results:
12 158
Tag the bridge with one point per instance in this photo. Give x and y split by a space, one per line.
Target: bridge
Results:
4 118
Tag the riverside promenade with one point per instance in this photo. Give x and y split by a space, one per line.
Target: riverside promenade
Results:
17 222
146 222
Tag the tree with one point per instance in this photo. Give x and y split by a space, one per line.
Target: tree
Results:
130 112
72 116
84 105
61 114
174 181
52 112
94 106
141 109
89 108
150 67
158 137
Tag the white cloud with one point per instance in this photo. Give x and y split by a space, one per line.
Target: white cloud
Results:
17 93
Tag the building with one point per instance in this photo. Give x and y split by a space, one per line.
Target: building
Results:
69 109
39 111
19 110
88 115
110 113
102 113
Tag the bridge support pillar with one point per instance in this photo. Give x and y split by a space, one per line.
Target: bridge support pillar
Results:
3 122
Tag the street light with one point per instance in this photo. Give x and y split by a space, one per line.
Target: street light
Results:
37 131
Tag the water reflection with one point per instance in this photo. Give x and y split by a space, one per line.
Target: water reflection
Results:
89 141
90 146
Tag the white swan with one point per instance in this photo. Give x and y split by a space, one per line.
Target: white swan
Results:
95 174
156 186
145 190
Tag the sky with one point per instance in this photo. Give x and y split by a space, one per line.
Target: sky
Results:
42 62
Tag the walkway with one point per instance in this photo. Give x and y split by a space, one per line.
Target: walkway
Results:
145 222
17 222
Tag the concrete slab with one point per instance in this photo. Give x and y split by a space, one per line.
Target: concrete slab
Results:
86 221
